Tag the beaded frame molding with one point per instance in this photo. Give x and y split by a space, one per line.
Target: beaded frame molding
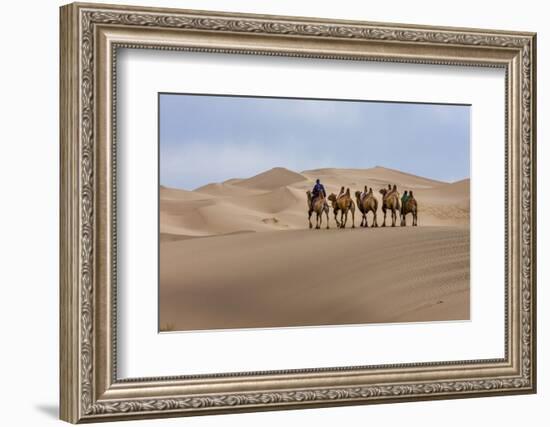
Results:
90 37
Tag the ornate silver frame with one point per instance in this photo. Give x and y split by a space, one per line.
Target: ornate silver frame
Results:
90 36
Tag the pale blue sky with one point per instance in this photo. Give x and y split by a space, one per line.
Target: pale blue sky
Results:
206 138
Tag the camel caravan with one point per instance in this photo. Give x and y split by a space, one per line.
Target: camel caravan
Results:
344 205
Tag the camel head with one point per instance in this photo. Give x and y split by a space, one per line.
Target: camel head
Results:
332 197
308 194
383 191
358 194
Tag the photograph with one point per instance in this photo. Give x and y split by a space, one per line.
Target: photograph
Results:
292 212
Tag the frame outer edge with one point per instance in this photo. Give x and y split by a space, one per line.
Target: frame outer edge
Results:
69 392
77 339
305 19
534 365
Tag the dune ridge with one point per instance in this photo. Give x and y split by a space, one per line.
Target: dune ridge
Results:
272 179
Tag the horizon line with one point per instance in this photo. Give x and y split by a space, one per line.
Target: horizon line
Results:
316 169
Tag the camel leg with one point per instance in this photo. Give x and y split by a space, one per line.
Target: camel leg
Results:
309 219
326 213
384 223
403 220
393 217
342 220
415 219
336 218
352 217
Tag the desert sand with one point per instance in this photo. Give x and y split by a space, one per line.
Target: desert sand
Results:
239 254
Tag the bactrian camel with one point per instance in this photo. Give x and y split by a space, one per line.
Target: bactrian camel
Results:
367 203
390 201
318 206
343 204
410 206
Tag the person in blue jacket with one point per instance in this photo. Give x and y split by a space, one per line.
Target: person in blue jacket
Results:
318 190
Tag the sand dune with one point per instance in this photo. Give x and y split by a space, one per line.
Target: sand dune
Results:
172 194
225 190
238 254
322 277
276 200
273 178
375 176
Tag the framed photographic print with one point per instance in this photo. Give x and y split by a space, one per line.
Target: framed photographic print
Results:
266 212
